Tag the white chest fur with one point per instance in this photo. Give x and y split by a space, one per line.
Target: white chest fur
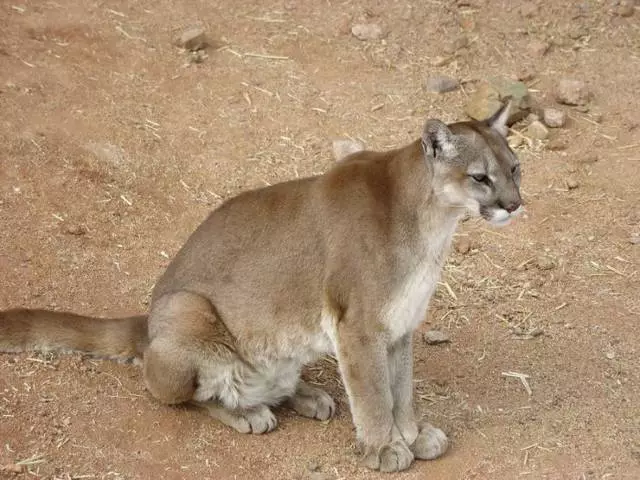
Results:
409 303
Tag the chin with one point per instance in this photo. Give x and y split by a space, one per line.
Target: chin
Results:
499 222
501 218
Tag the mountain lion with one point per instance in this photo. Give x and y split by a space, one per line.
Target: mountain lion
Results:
342 263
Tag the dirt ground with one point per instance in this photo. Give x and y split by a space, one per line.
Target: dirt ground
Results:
114 145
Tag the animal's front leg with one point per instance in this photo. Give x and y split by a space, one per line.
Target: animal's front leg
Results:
426 441
401 372
363 359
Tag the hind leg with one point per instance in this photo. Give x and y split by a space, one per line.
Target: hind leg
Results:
190 358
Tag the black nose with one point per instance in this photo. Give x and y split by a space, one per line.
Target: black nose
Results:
512 207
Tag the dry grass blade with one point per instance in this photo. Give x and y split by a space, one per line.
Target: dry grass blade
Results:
32 460
265 56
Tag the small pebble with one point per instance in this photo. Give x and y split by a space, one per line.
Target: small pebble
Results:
634 239
529 9
192 39
463 246
367 31
545 263
12 468
625 8
554 117
538 48
441 84
610 355
578 33
197 56
435 337
77 230
557 144
526 74
588 158
572 182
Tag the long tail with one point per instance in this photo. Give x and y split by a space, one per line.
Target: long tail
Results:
41 330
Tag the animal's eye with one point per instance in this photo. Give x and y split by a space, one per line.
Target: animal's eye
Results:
481 178
515 169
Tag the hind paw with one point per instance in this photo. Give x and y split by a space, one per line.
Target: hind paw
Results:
312 402
255 420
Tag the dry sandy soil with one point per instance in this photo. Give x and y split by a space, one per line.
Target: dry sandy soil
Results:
114 146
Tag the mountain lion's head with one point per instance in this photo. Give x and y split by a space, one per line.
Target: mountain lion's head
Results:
474 167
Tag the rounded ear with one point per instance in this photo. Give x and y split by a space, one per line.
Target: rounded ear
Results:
437 140
498 120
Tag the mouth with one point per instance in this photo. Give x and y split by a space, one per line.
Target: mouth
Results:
500 217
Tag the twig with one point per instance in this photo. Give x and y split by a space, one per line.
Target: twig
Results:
522 377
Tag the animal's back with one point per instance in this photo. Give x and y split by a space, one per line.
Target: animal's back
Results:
258 259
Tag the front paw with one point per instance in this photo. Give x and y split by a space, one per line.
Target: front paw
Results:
392 457
431 442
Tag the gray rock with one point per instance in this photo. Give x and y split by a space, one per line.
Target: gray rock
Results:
441 84
434 337
484 102
554 117
572 92
367 31
192 39
537 130
491 94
